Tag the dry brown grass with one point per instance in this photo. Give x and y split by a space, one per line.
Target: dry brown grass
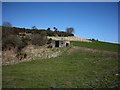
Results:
70 38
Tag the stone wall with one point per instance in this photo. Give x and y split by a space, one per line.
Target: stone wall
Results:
29 53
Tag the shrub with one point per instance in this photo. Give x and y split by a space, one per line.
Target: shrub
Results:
12 41
39 39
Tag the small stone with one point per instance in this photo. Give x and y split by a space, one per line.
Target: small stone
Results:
117 74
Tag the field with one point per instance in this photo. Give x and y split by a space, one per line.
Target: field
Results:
98 45
75 68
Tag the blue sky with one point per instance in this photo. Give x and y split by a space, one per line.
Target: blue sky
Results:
97 20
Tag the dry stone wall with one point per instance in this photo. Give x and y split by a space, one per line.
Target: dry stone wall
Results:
29 53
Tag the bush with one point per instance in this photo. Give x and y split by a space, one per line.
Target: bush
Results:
12 41
9 41
39 39
15 31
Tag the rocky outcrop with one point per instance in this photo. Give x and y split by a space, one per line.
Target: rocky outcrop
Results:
29 53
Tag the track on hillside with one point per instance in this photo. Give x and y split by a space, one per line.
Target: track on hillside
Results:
76 48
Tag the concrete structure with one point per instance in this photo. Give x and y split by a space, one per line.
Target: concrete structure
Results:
59 43
62 43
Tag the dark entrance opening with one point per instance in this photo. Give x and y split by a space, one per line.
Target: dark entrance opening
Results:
56 43
67 44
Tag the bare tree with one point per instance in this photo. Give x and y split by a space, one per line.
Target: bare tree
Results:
70 30
7 24
34 27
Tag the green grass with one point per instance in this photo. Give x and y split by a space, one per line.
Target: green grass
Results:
98 45
80 69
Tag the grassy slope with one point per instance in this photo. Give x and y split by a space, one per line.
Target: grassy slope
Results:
97 45
81 69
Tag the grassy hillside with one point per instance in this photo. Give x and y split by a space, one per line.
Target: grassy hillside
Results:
98 45
78 69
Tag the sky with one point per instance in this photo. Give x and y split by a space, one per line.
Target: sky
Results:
98 20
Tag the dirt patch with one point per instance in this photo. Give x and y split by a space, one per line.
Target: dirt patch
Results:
75 49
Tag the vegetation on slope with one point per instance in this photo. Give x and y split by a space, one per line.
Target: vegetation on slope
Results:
98 45
79 69
11 37
15 31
